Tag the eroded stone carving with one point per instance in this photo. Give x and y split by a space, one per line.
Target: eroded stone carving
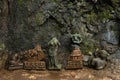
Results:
52 53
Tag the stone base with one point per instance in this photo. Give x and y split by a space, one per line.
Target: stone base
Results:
74 65
58 67
38 65
15 67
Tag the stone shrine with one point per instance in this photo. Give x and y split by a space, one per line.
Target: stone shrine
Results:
35 59
31 59
75 60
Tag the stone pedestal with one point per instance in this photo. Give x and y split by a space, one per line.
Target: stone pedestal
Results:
35 59
15 67
37 65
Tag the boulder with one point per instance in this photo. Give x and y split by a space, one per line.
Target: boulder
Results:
98 63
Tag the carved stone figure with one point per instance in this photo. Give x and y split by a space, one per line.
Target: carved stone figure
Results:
15 62
15 59
76 40
52 53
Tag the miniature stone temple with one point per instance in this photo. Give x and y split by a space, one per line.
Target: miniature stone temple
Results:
75 59
35 59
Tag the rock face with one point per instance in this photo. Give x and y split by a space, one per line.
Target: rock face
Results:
3 19
3 32
33 22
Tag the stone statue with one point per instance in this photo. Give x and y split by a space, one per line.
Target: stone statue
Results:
15 62
76 40
52 53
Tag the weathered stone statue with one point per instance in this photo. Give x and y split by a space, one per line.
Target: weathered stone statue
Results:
15 62
76 40
52 53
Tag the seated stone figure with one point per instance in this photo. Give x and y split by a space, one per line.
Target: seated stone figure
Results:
15 60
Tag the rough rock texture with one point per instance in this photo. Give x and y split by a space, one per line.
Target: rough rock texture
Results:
3 30
36 21
3 19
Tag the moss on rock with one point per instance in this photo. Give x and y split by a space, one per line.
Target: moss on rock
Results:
40 18
20 2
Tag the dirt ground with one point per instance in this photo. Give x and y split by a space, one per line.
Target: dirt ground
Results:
81 74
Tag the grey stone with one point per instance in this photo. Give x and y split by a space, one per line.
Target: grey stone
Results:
110 37
108 47
97 63
116 55
93 29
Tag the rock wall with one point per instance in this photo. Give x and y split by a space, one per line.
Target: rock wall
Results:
3 19
36 21
3 24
